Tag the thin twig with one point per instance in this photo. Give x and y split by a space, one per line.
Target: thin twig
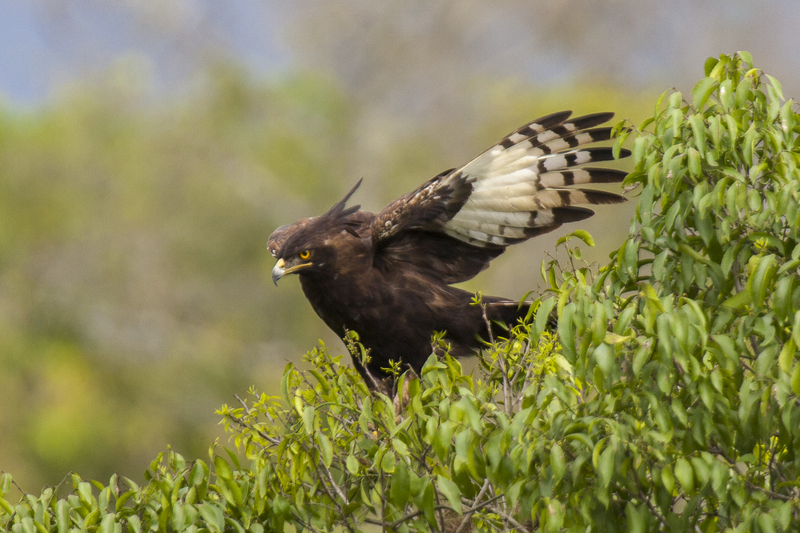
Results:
242 423
408 516
509 518
768 492
506 403
331 496
476 507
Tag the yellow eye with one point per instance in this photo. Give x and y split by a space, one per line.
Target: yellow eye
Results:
305 254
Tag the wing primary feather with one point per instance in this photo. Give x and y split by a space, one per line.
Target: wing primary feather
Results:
554 127
582 176
516 186
534 128
556 140
572 158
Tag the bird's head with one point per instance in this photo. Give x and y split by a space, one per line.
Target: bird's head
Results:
298 248
309 245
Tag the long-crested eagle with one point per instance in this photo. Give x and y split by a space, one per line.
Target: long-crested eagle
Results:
388 276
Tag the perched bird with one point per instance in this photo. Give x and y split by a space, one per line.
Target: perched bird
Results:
387 276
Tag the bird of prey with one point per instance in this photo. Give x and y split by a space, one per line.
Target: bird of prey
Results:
388 276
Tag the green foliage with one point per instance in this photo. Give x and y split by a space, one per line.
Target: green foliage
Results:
337 455
696 341
670 400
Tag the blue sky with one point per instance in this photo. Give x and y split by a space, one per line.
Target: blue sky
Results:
46 43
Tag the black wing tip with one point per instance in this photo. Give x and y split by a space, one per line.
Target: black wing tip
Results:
601 153
595 118
553 118
536 126
605 175
596 197
571 214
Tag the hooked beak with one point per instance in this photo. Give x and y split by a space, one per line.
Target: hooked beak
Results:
280 270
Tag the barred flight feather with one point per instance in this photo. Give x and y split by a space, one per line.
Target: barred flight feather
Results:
545 199
581 177
530 167
514 183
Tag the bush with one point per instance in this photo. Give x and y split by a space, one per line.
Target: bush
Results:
669 400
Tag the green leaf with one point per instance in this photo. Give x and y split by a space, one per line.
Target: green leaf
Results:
782 297
442 441
760 283
555 517
401 485
796 329
739 301
766 523
605 466
451 492
777 85
636 519
62 516
787 356
85 494
699 133
429 503
566 332
134 524
388 462
308 419
695 166
599 323
582 438
583 235
25 525
352 464
795 380
604 354
107 524
558 462
684 475
719 478
213 516
668 479
325 449
222 468
709 65
543 316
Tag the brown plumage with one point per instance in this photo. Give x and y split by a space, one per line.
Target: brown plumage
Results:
388 276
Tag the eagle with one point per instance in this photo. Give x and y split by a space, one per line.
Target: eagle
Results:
388 276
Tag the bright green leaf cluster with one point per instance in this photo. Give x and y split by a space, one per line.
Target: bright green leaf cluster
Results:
691 332
177 497
450 451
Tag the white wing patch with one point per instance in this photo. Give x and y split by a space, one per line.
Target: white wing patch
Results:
518 184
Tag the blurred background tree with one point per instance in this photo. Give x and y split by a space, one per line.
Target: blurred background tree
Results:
147 150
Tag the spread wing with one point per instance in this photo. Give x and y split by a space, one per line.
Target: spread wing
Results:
513 191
